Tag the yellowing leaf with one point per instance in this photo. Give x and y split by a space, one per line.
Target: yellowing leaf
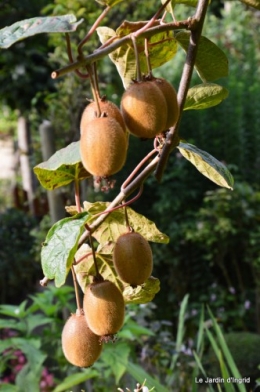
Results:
162 48
205 96
115 225
209 166
142 294
252 3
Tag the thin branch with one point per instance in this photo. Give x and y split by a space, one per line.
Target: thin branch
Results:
104 51
172 137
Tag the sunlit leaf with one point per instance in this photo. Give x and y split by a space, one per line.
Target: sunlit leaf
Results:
62 168
142 294
205 96
209 166
252 3
115 224
162 48
60 246
29 27
211 62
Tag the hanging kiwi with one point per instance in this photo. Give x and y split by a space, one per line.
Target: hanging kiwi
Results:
103 146
170 96
144 109
80 345
133 258
104 308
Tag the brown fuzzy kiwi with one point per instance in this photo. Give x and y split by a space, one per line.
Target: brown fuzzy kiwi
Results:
108 108
170 96
133 258
144 109
103 147
104 308
80 345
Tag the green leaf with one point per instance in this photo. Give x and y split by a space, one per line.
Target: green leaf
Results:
162 48
204 96
29 27
252 3
115 224
207 165
75 379
192 3
211 62
8 388
140 375
112 352
60 247
62 168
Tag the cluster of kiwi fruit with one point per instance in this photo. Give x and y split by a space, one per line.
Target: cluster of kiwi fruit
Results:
148 108
103 310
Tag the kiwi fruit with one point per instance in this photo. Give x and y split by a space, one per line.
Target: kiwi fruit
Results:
107 108
133 258
103 146
104 308
170 96
144 109
80 345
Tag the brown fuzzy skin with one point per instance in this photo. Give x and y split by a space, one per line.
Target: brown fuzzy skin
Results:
170 96
108 109
104 308
144 109
80 345
133 258
103 147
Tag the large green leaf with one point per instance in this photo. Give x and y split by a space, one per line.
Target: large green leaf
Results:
111 3
211 62
60 246
204 96
110 355
62 168
252 3
162 48
209 166
28 27
75 379
115 225
85 271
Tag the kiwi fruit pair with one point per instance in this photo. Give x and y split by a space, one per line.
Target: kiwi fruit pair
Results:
133 258
149 107
103 141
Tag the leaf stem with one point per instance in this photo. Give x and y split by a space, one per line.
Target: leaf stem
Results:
77 196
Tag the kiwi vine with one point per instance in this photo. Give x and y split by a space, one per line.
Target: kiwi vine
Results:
151 109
